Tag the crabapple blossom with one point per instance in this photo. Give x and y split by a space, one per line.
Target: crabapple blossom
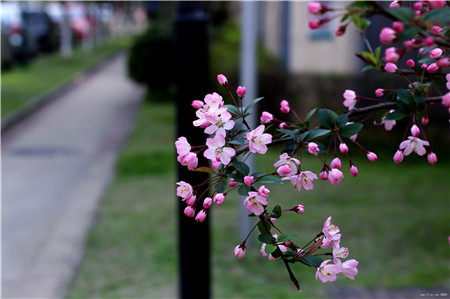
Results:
327 272
215 163
213 106
284 170
248 180
398 26
240 91
388 124
207 203
263 191
285 108
232 183
282 247
304 179
394 4
283 125
390 67
323 175
258 140
317 8
353 171
436 53
201 216
266 117
379 92
197 104
350 99
189 211
299 209
443 62
239 251
425 120
437 4
432 68
415 131
432 158
190 201
446 100
335 176
326 243
219 123
219 198
222 80
388 35
336 163
343 148
372 156
330 231
183 146
313 148
436 30
410 63
216 148
184 190
286 160
391 55
340 31
398 157
414 144
190 160
254 203
339 252
348 268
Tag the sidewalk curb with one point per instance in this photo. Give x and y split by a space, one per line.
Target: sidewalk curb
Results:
13 118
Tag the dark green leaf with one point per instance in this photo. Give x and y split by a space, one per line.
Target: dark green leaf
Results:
238 139
269 180
262 228
311 260
241 167
396 115
276 212
402 14
238 123
326 118
232 109
437 15
342 120
290 133
243 190
266 238
317 133
252 103
236 177
286 237
310 113
350 129
405 96
221 186
269 248
302 136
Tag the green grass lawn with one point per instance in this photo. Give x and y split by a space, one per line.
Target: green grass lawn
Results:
22 84
394 219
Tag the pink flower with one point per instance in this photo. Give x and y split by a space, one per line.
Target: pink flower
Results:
222 80
286 160
348 268
331 231
313 148
190 160
239 251
398 157
304 179
216 148
190 201
436 30
216 163
350 99
353 171
184 190
429 41
258 140
266 117
248 180
232 183
299 209
183 146
335 176
263 191
414 144
241 90
388 124
425 120
340 31
213 106
432 68
325 243
339 252
201 216
316 8
372 156
410 63
197 104
336 163
327 272
446 100
323 175
219 198
398 26
390 67
254 203
285 108
432 158
388 35
415 131
207 203
391 55
436 53
343 148
189 211
394 4
437 4
283 125
443 63
379 92
219 123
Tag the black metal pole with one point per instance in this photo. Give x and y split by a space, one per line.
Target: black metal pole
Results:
192 79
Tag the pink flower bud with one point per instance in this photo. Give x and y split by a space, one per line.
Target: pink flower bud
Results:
216 163
443 63
425 120
391 55
189 211
335 176
398 26
325 243
379 92
285 108
201 216
241 90
353 171
283 125
239 251
436 53
432 158
437 4
284 170
232 183
323 175
387 35
410 63
222 80
446 100
432 68
340 31
197 104
313 148
263 191
336 163
372 156
316 8
299 209
415 131
248 180
429 41
207 203
219 198
343 148
436 30
190 201
417 5
316 23
398 157
390 67
266 117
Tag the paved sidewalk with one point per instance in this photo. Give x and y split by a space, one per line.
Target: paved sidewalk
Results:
55 167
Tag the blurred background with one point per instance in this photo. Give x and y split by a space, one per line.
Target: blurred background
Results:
395 219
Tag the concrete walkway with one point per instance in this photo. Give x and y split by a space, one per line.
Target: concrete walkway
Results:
55 167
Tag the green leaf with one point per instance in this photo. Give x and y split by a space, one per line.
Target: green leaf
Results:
290 133
266 238
370 57
243 190
269 180
367 67
405 96
317 133
326 118
241 167
238 139
342 121
396 115
238 123
360 22
269 248
311 260
310 113
232 109
253 102
221 186
236 177
402 14
276 212
286 237
350 129
437 15
359 4
261 227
